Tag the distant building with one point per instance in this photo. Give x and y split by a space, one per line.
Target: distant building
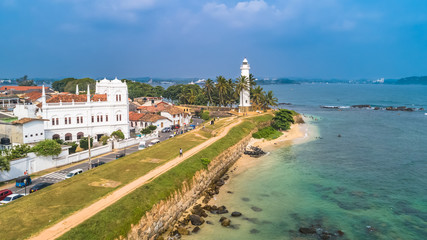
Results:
176 115
245 96
73 116
139 121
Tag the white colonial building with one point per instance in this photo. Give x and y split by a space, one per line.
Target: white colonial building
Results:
245 97
73 116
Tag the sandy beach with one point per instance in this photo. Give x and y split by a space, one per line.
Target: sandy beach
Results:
298 133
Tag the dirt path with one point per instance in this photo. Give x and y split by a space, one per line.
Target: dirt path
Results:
80 216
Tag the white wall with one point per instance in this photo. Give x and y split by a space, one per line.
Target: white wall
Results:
33 131
34 163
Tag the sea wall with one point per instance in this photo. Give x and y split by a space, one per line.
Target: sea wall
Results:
165 214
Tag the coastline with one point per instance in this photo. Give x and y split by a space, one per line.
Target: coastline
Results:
299 133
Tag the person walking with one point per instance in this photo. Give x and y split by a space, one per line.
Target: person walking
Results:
180 152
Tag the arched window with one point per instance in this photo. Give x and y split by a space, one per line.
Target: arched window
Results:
55 136
68 137
79 135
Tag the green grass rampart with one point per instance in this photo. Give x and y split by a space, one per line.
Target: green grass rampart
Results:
116 220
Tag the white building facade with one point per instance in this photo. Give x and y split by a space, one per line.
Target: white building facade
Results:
73 116
245 97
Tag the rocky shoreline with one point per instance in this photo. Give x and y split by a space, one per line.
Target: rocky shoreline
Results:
370 107
204 212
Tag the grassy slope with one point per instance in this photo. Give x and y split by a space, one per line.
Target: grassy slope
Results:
118 217
28 215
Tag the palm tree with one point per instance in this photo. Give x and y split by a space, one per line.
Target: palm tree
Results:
257 96
251 81
230 99
222 86
188 97
241 83
270 99
209 89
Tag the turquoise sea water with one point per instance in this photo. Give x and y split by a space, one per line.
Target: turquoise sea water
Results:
370 183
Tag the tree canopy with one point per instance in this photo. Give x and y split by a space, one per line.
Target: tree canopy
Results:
4 164
118 134
47 147
283 119
69 84
24 81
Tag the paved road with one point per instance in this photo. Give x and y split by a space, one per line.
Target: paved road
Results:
58 176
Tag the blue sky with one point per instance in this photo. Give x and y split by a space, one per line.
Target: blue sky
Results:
196 38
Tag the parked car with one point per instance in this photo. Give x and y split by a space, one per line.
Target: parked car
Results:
4 193
23 181
74 173
10 198
119 155
97 164
172 135
141 145
155 141
39 186
175 127
166 129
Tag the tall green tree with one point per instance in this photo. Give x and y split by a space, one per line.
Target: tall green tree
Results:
222 87
269 100
24 81
283 120
257 96
118 134
209 89
252 81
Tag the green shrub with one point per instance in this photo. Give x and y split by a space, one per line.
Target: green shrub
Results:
283 119
84 144
267 133
73 147
104 139
146 131
205 115
118 134
152 127
205 162
47 147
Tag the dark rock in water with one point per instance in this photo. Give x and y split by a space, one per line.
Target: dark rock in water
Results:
254 152
222 210
198 210
340 233
305 230
339 135
245 199
230 192
220 182
207 207
361 106
377 108
183 231
256 209
206 200
222 219
196 229
234 226
226 222
252 220
325 236
236 214
370 229
196 220
209 222
254 231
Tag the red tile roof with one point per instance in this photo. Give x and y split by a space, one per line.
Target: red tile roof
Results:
173 110
27 120
101 97
22 88
33 96
76 98
149 117
152 109
133 116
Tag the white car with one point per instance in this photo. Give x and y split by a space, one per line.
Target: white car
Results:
11 198
74 173
141 145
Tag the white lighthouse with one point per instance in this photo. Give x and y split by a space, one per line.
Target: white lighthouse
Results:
245 95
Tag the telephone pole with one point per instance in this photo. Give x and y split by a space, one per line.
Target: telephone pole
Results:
90 160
